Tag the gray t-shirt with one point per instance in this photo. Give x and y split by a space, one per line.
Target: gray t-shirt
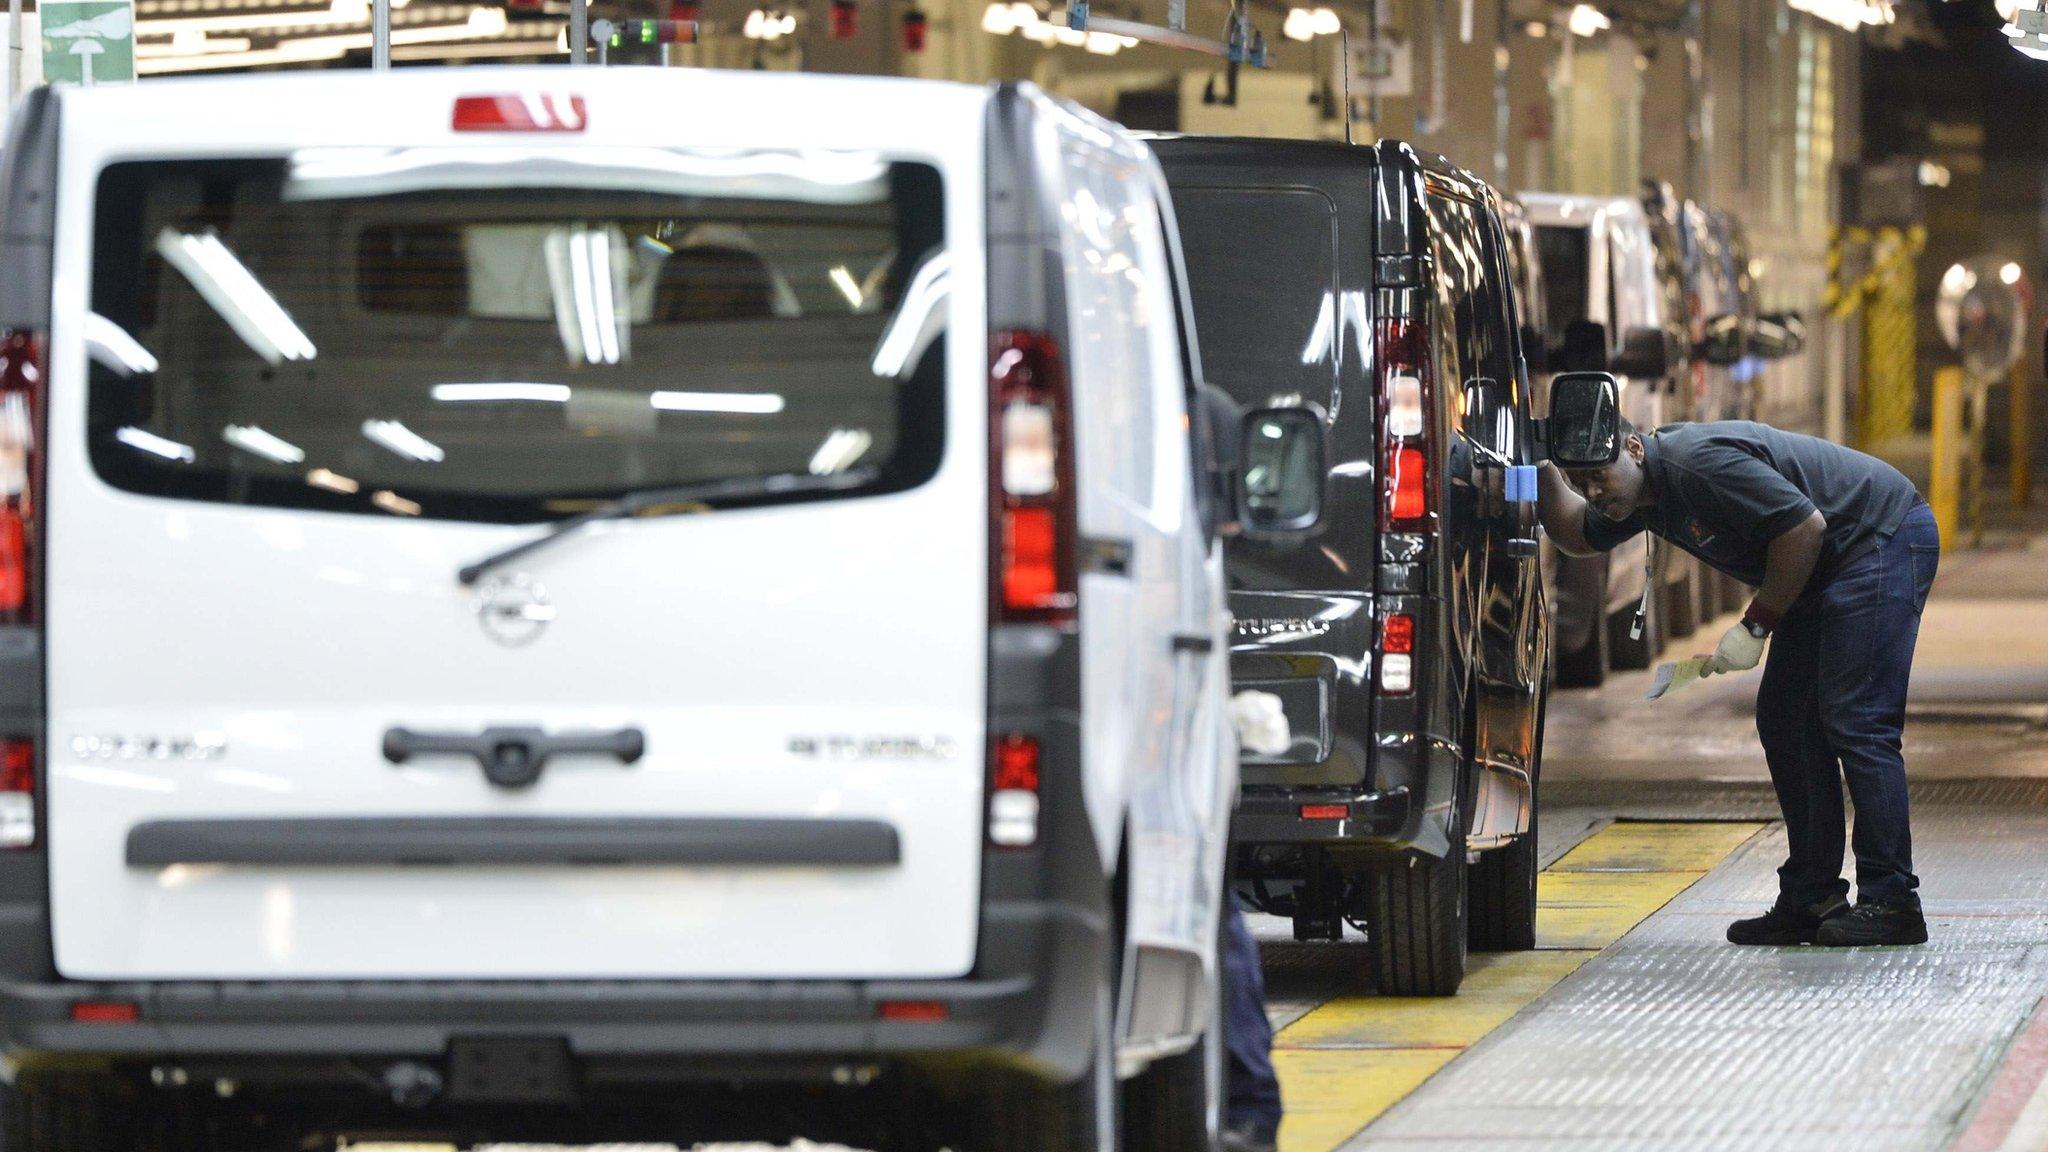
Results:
1725 490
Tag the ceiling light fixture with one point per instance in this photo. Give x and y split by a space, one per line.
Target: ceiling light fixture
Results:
1587 20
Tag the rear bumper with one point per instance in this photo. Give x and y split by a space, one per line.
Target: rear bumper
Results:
1273 816
1023 1007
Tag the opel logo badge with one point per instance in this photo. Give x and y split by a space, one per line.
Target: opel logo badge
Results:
514 610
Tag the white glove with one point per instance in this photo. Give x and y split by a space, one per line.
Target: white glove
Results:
1261 723
1738 652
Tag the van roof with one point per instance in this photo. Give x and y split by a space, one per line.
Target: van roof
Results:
658 106
1564 208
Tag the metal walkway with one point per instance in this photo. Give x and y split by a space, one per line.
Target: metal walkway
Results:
1673 1039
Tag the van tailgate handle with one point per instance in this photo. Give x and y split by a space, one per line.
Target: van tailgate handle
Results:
514 757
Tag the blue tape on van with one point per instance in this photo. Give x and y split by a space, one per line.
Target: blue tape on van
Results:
1521 484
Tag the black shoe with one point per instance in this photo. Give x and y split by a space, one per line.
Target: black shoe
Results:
1787 923
1873 923
1249 1138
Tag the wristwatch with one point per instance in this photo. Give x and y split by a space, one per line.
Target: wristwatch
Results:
1756 628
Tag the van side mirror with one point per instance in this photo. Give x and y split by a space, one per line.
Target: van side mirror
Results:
1725 342
1778 335
1584 428
1584 348
1280 489
1646 354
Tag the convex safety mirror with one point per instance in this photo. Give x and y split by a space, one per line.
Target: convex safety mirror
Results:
1585 420
1280 489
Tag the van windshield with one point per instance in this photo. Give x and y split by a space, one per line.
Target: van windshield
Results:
356 330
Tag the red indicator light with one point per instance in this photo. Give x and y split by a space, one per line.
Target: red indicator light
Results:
914 1011
1325 811
105 1012
1397 635
525 112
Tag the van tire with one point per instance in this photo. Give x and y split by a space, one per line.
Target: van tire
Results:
1586 665
72 1114
1025 1114
1415 923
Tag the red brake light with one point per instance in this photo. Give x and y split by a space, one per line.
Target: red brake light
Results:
1031 481
1017 763
1407 439
1324 811
1397 634
524 112
21 400
914 1011
18 766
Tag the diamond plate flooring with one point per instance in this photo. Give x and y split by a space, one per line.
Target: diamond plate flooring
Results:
1673 1039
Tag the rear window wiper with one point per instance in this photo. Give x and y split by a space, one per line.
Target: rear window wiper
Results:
653 501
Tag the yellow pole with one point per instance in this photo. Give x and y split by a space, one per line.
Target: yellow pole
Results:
1945 483
2021 435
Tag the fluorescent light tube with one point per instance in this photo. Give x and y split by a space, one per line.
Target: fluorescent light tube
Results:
404 441
743 403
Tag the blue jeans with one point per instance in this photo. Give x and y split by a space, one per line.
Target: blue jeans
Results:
1254 1091
1832 705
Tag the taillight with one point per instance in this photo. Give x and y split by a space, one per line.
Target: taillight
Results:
1013 792
1407 448
1397 654
17 793
21 400
523 112
1031 482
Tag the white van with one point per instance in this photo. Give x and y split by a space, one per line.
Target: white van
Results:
522 584
1614 304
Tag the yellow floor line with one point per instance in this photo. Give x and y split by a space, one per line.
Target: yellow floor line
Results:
1351 1059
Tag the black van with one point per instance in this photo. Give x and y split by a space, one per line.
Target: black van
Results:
1406 635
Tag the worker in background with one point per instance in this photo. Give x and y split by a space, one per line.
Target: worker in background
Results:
1841 549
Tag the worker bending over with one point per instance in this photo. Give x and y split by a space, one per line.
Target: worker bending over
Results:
1841 549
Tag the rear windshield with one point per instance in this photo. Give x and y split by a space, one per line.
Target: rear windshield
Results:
1262 269
395 333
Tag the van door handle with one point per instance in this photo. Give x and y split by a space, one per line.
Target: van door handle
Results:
1194 642
514 757
1524 548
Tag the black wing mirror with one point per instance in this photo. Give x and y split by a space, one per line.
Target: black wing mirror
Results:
1280 489
1584 428
1725 341
1778 335
1646 354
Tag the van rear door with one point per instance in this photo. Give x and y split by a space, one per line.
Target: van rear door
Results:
297 389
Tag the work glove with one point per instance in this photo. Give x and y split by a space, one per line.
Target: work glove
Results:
1738 651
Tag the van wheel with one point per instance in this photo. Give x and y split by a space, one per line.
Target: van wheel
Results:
1503 882
1634 654
1032 1116
1176 1105
1586 665
71 1114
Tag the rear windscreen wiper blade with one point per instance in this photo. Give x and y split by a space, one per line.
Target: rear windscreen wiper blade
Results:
648 499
